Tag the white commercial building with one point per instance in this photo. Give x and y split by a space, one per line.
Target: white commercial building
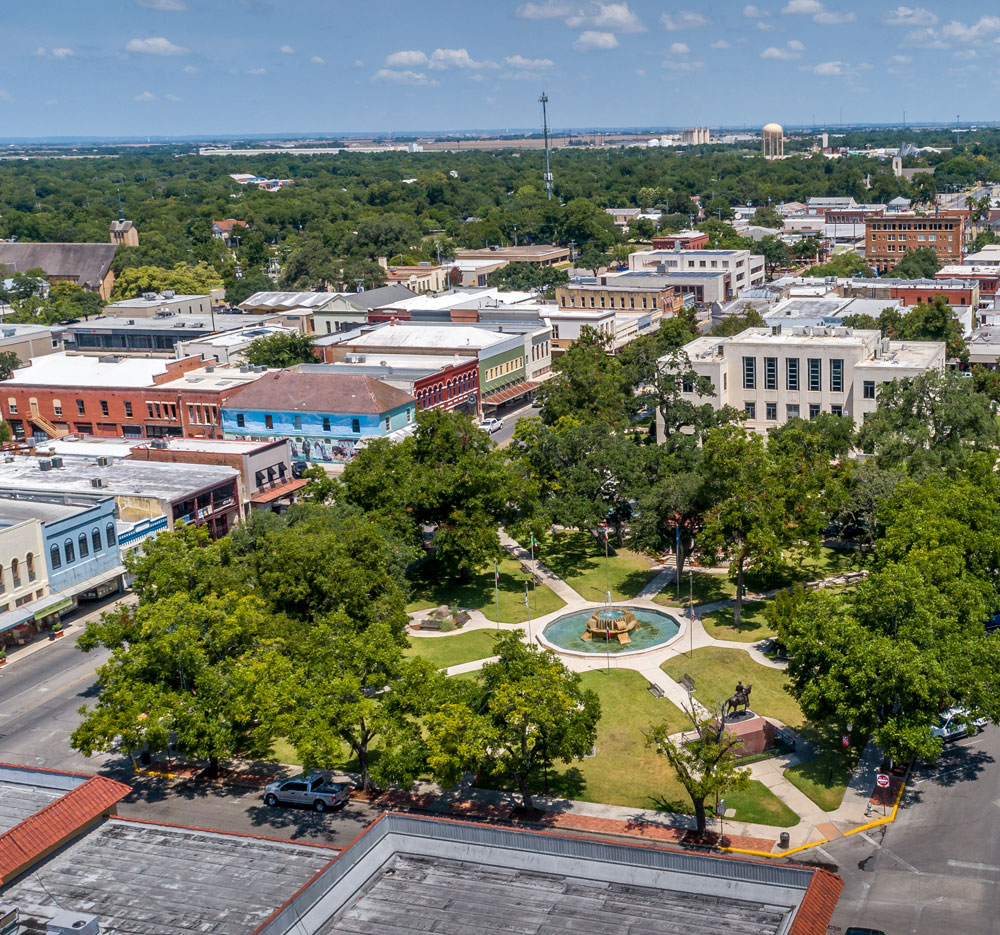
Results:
777 373
746 269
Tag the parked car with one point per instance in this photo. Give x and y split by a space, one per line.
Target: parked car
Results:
993 623
955 723
491 425
855 930
309 789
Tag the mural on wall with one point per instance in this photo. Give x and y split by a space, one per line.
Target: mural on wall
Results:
322 449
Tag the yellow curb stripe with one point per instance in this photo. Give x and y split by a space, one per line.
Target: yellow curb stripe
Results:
153 772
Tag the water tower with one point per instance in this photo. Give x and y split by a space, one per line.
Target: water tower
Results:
773 141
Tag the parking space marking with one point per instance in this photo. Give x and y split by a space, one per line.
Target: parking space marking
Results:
969 865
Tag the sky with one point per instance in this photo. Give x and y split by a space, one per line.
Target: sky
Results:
175 67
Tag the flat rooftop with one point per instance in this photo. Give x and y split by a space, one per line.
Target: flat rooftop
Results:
164 880
405 334
167 482
17 511
214 445
25 791
217 379
154 301
181 321
64 369
244 335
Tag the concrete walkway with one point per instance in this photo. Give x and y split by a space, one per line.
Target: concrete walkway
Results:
546 574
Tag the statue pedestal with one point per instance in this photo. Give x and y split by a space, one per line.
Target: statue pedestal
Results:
755 734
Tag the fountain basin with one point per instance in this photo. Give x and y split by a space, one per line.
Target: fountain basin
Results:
586 631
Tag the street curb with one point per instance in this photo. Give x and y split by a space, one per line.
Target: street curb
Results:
804 847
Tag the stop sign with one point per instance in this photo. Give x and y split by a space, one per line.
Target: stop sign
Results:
882 781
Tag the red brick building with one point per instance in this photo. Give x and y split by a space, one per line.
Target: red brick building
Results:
683 240
955 291
888 239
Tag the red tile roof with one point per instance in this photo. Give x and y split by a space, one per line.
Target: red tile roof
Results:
59 821
816 908
266 496
227 224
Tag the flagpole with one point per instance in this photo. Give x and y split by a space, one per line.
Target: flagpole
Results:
496 588
691 613
527 607
677 564
534 572
607 579
607 642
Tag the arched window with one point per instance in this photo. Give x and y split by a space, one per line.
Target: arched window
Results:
84 549
29 561
55 557
109 535
70 552
95 539
15 571
3 586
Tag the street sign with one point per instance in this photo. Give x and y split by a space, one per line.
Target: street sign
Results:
882 781
845 740
720 809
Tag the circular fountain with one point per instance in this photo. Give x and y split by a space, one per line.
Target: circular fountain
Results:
615 630
612 623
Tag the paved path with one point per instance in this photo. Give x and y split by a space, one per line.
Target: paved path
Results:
547 575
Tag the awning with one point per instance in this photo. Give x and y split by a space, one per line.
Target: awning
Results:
34 610
508 393
94 580
281 490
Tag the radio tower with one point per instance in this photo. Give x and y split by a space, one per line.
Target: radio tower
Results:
544 100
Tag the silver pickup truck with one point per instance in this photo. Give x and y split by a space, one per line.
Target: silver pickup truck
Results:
309 789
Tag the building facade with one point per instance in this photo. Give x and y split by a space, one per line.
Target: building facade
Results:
889 239
746 269
775 374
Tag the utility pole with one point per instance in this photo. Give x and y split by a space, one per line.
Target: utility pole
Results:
544 100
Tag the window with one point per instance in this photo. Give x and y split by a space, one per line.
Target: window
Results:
12 405
356 426
868 389
837 410
82 543
29 561
326 423
771 412
792 373
109 535
387 423
15 571
81 409
241 421
268 421
57 408
750 410
813 410
70 553
128 410
55 558
815 374
770 373
686 385
791 411
749 373
409 415
149 410
95 539
297 421
104 407
837 376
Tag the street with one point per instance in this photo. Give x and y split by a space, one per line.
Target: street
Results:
510 420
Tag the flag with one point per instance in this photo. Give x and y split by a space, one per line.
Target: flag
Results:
534 546
605 527
496 574
526 594
678 540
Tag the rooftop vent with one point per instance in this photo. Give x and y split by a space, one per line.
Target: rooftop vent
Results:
109 359
775 329
149 296
98 482
103 461
168 293
158 443
56 462
45 464
73 923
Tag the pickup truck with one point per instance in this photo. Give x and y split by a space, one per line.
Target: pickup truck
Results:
309 789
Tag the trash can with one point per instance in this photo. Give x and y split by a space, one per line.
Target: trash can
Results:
783 840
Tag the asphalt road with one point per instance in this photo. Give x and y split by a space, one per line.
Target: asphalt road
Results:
936 869
510 420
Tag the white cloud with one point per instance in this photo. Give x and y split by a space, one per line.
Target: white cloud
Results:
754 12
54 53
164 6
173 97
595 41
909 16
836 69
925 39
406 76
256 71
519 61
287 50
819 13
680 48
983 28
683 66
792 49
833 18
190 70
145 97
900 59
805 7
155 45
684 19
721 44
614 17
442 59
762 26
318 60
5 96
551 9
965 54
407 59
358 63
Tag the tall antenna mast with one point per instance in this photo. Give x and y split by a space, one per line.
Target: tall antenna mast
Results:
544 100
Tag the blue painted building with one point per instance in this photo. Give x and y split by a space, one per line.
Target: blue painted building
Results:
80 540
325 415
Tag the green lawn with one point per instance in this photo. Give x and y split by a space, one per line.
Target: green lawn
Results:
578 558
824 779
429 589
703 587
716 671
455 648
753 626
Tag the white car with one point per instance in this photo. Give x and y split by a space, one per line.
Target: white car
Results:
491 425
955 723
310 789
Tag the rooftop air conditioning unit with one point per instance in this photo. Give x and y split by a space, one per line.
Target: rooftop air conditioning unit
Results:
885 345
129 321
57 462
158 443
45 464
244 368
168 293
98 482
149 296
103 461
775 329
73 923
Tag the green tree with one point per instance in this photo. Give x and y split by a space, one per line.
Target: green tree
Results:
933 322
183 278
240 289
921 263
527 277
806 248
841 265
766 216
280 350
722 236
775 253
9 362
525 711
719 208
736 324
705 766
593 260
